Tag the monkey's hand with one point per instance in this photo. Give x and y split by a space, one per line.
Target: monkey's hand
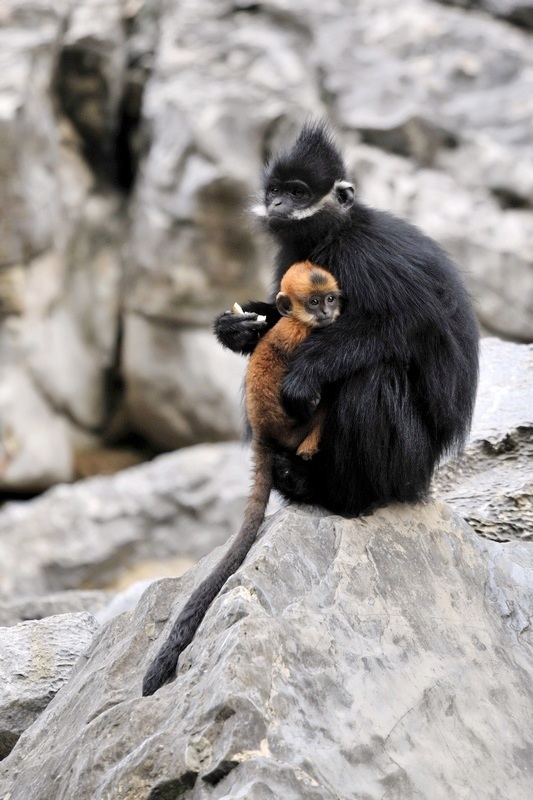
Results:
241 332
299 395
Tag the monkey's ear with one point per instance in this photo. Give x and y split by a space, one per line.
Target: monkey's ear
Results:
345 193
283 304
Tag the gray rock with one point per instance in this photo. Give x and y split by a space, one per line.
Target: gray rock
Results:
60 272
102 605
519 12
123 601
38 607
492 485
182 387
376 656
440 61
90 73
494 253
88 534
36 659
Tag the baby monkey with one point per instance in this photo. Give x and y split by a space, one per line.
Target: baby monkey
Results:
309 300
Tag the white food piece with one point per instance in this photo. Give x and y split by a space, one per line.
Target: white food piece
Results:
236 308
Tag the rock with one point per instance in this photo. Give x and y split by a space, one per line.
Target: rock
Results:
38 607
88 534
102 605
381 653
369 593
34 441
124 601
36 659
90 74
519 12
182 387
491 486
498 276
60 271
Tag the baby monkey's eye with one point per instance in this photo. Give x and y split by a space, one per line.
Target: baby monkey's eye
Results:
331 298
314 301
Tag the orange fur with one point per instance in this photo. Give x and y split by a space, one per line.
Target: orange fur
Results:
270 361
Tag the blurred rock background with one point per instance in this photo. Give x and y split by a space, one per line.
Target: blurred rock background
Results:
131 138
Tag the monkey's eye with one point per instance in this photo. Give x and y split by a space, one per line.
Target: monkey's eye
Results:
273 190
298 191
330 298
314 301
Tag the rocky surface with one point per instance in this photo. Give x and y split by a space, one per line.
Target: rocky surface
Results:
60 234
163 401
391 653
517 12
89 534
131 139
37 607
492 485
36 659
155 519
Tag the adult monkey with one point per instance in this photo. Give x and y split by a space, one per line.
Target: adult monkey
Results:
398 370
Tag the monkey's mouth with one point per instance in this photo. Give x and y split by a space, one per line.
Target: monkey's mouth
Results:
278 220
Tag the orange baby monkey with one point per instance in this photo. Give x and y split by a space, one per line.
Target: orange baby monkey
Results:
309 299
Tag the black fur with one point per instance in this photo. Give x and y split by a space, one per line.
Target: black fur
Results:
399 367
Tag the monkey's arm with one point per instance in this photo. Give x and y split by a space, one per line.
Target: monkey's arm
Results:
335 353
241 332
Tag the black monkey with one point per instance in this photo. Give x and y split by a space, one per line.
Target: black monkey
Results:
396 373
398 370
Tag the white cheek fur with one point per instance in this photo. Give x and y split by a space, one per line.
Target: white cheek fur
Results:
304 213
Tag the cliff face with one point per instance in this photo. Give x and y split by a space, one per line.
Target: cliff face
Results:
131 138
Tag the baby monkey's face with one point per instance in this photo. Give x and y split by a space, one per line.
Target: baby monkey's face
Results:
319 309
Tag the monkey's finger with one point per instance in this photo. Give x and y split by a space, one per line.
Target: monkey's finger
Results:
251 316
241 315
254 322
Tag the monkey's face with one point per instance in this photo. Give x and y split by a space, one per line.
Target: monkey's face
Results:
309 294
319 310
287 200
304 186
293 200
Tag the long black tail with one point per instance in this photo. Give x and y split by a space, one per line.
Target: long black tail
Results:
163 668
